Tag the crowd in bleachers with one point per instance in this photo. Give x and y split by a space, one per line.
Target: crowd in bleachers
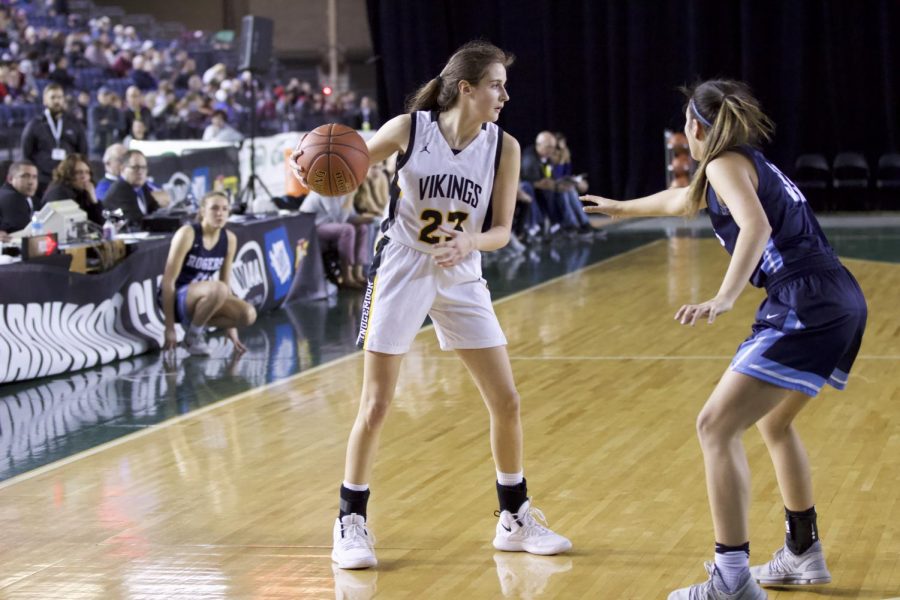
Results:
105 84
122 84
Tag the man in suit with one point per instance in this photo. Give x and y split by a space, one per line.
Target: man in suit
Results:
17 198
49 138
133 193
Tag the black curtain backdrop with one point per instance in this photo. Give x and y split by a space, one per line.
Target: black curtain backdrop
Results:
606 72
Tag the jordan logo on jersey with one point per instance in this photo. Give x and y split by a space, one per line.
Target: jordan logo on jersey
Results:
452 187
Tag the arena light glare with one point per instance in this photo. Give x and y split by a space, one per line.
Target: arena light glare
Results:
327 90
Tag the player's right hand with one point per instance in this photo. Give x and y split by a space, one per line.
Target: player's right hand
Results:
600 205
296 169
171 339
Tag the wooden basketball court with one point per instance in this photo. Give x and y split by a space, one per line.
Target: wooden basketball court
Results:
237 500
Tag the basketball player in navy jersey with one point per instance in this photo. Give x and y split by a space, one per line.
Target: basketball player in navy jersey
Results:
453 197
190 293
807 332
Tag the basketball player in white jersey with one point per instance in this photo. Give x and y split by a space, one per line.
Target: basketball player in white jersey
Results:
452 198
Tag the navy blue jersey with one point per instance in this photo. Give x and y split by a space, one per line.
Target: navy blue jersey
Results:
797 243
201 264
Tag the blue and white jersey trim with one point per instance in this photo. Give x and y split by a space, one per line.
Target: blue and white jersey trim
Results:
772 261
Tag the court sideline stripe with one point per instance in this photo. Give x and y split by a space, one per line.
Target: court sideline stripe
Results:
128 437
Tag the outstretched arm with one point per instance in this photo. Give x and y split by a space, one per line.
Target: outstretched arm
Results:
673 202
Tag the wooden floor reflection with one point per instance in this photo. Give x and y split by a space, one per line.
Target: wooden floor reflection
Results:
237 500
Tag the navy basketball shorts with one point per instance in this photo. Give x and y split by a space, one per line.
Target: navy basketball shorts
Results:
181 311
807 333
405 285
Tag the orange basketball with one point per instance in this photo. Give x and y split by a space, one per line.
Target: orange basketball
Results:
334 159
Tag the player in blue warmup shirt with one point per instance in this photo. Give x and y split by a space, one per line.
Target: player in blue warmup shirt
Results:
195 287
807 332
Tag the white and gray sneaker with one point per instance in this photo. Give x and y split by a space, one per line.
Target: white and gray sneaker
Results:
354 544
196 345
787 568
521 532
714 588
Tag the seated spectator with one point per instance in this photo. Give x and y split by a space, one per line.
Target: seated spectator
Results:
373 194
220 131
112 161
138 132
104 122
142 78
189 295
337 223
72 181
17 200
569 185
549 192
60 73
133 193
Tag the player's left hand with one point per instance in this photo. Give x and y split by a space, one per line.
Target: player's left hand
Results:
452 252
233 336
690 313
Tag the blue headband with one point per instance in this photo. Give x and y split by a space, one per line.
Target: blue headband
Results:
697 113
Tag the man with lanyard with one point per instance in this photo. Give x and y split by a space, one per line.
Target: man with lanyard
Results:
50 137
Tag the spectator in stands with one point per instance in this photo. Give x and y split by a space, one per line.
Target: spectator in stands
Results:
60 73
17 198
104 122
366 117
16 89
219 130
113 160
169 124
138 132
537 170
6 27
50 137
570 185
72 181
98 55
122 63
142 78
373 194
133 193
337 223
135 110
185 73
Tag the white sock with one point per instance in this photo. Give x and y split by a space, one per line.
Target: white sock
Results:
356 487
194 331
510 479
734 568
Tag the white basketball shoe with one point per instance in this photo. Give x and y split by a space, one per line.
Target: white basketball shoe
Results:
714 589
354 544
787 568
521 532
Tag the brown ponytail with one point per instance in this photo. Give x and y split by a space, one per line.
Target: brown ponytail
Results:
469 63
731 117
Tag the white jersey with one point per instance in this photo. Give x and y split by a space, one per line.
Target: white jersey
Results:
434 186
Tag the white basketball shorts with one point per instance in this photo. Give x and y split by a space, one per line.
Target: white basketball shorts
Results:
405 285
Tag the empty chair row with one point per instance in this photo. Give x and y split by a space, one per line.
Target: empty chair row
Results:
848 170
